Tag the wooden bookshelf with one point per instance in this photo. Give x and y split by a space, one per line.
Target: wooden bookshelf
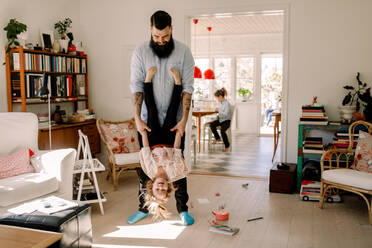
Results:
63 135
17 78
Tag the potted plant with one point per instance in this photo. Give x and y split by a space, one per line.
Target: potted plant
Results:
62 28
13 30
361 96
245 93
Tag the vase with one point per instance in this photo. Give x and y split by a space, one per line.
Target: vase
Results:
22 38
56 46
347 113
64 45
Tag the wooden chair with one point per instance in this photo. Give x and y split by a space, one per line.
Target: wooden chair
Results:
228 132
343 176
122 147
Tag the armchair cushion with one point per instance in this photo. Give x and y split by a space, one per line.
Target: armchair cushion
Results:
127 158
349 177
121 137
363 153
16 163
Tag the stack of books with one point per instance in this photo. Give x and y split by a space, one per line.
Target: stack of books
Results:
341 141
313 145
313 115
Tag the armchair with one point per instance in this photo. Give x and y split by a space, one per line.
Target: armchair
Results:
122 147
53 169
346 176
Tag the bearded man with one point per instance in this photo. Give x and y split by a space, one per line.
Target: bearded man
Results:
163 53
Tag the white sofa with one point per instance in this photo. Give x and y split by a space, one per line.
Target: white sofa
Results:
53 169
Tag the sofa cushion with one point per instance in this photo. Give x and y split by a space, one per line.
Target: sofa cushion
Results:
349 177
26 187
363 153
127 158
15 164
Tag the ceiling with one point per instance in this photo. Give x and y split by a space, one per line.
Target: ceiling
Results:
238 24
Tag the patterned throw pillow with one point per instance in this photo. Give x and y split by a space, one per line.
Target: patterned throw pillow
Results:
122 137
363 153
15 164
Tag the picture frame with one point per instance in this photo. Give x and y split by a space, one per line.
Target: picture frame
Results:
47 39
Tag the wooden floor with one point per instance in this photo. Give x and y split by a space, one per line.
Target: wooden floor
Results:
287 221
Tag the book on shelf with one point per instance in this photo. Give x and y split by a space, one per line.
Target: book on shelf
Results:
314 151
16 64
53 63
322 123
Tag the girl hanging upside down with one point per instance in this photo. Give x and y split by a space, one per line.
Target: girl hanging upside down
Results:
160 161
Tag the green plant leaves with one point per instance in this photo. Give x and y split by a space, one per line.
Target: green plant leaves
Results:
13 29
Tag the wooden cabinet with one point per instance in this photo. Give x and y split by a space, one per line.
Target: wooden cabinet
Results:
66 136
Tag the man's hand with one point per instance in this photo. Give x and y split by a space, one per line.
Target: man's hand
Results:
141 126
180 127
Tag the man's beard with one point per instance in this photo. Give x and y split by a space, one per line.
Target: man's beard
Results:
162 51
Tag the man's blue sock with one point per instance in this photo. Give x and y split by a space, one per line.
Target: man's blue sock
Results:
186 218
137 216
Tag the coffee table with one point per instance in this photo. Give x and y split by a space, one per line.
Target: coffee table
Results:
20 237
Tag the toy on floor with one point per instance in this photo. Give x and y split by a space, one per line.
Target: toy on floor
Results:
310 191
224 229
221 214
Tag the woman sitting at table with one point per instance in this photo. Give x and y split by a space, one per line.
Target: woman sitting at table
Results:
223 118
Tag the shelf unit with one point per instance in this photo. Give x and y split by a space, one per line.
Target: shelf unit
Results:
20 74
303 130
85 168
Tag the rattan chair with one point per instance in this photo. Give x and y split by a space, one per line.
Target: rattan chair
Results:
339 175
122 147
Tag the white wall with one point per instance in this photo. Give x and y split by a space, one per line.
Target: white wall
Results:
329 41
37 15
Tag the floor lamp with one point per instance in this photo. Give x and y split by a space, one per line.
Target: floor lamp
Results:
45 91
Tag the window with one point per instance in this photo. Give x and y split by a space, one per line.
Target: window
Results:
222 73
201 86
244 74
231 73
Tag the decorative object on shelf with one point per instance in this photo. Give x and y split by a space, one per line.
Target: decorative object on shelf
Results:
209 73
13 30
47 39
62 28
37 47
361 96
71 47
56 46
57 115
245 94
29 45
197 71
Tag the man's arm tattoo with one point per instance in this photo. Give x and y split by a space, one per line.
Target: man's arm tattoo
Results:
137 102
186 104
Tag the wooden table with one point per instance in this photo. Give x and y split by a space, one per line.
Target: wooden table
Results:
278 118
12 236
199 114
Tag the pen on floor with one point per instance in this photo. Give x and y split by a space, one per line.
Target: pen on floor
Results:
258 218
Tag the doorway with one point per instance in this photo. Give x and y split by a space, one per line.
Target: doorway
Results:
271 91
235 53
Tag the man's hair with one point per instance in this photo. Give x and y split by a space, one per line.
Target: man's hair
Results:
161 19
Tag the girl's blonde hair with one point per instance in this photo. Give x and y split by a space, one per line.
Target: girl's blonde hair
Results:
156 206
221 92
